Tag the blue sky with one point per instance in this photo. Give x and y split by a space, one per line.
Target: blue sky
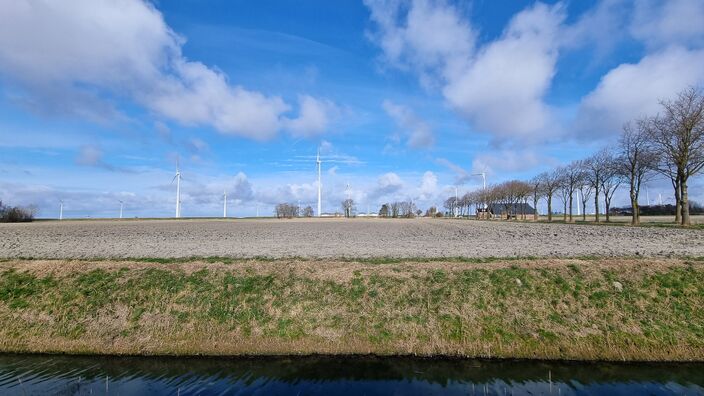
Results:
405 99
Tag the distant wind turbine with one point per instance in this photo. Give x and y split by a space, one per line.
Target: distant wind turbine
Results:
483 175
61 209
177 177
121 204
224 204
318 163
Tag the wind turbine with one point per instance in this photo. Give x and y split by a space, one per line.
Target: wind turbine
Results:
224 203
61 209
121 204
177 177
483 175
319 164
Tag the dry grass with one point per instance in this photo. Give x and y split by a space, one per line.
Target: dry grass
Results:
606 309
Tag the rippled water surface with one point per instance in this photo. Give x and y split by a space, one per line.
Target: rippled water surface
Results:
61 375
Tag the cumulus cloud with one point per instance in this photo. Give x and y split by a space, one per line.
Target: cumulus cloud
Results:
482 84
242 188
461 175
387 184
418 132
633 89
314 118
93 156
428 186
81 59
507 161
659 23
428 36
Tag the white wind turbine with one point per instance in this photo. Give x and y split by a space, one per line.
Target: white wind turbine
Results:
318 163
61 209
224 203
177 177
121 204
483 175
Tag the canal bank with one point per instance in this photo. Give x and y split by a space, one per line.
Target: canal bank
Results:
577 309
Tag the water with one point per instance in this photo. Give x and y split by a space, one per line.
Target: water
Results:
62 375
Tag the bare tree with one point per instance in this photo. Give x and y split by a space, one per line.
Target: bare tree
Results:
451 205
536 192
308 212
286 210
679 137
594 169
563 191
551 183
611 179
385 210
637 159
395 208
348 207
573 176
585 190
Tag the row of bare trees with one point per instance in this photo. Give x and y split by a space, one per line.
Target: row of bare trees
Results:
289 210
669 144
405 209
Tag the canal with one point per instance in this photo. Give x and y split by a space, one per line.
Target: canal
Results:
68 375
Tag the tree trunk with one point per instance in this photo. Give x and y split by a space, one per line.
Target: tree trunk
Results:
596 201
571 205
584 211
549 207
635 218
678 200
564 212
684 202
535 208
607 206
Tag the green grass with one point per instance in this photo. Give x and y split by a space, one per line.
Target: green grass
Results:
516 309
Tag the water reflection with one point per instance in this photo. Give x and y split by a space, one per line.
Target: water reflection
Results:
63 375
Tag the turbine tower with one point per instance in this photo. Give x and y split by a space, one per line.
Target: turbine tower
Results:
483 175
61 209
121 204
318 163
224 204
177 177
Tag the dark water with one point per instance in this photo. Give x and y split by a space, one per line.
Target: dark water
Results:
59 375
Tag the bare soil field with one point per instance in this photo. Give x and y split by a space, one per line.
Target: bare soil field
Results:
326 238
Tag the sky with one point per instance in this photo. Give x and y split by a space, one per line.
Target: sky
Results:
99 99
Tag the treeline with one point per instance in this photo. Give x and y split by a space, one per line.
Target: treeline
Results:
16 214
670 144
402 209
289 211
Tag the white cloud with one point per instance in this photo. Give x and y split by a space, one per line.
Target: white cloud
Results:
508 161
387 184
430 35
314 117
242 188
503 88
428 186
661 23
633 90
485 84
461 175
419 133
83 58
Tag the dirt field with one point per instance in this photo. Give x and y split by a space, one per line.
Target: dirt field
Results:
338 238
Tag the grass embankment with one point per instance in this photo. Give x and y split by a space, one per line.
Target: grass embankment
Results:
607 309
